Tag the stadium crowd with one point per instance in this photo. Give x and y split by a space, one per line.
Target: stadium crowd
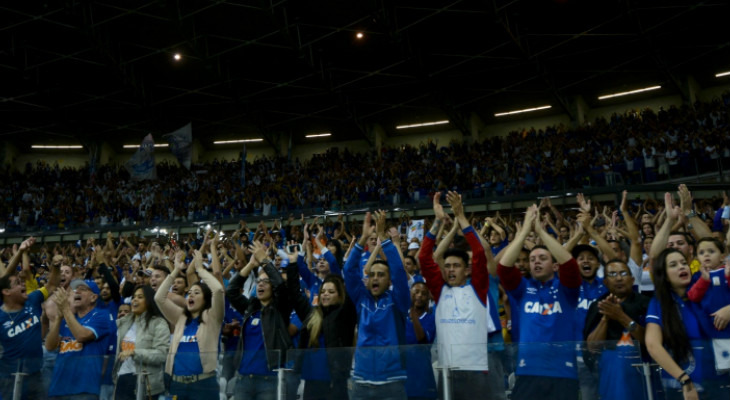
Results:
632 148
364 302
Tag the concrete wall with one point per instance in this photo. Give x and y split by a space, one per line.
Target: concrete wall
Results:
511 124
714 92
64 158
654 103
442 138
318 146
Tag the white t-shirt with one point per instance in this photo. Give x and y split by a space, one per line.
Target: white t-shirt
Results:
130 338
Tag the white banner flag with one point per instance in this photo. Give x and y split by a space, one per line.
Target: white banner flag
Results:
415 230
142 164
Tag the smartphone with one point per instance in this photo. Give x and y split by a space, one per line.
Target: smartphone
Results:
295 247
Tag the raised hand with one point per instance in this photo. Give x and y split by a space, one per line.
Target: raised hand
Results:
685 199
438 209
454 200
584 205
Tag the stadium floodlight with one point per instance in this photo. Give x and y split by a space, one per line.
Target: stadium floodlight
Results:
442 122
134 146
646 89
502 114
238 141
316 135
721 74
54 146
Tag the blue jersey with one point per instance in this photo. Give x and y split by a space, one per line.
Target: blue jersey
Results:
716 297
230 343
701 365
187 360
254 358
421 382
112 307
76 359
111 351
589 292
546 322
20 337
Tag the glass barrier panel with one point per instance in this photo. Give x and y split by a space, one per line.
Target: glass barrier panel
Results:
593 371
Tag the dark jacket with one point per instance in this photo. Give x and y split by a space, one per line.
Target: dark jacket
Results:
338 326
274 316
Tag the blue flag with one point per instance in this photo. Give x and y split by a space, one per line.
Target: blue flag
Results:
181 144
142 164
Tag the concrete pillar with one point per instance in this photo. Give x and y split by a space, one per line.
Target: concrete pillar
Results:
8 153
692 88
380 136
198 151
476 126
581 109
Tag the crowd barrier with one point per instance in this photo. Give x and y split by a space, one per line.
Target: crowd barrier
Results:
605 370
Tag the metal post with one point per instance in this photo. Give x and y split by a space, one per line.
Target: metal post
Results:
647 378
281 384
446 384
140 385
18 385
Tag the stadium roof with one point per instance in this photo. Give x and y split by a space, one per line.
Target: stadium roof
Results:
105 70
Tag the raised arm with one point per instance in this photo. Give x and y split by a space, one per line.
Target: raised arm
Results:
479 272
217 305
632 230
429 269
398 275
353 276
508 275
444 244
608 252
170 310
662 236
554 247
697 226
512 251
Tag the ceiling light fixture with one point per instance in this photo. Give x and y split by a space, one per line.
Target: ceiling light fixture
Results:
134 146
61 147
359 35
502 114
721 74
316 135
238 141
442 122
177 56
646 89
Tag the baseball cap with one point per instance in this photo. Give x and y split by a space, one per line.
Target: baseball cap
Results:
90 284
584 247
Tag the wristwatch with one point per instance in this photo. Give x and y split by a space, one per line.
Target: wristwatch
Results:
632 326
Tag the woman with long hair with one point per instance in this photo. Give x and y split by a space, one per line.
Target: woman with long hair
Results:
143 340
328 325
193 355
676 335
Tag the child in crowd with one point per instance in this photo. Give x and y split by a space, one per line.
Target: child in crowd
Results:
712 289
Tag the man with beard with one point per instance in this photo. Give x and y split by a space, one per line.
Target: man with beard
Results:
20 332
378 368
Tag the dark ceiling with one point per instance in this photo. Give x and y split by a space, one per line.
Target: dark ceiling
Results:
104 70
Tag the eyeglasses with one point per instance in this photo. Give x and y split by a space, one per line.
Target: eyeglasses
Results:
614 274
263 280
